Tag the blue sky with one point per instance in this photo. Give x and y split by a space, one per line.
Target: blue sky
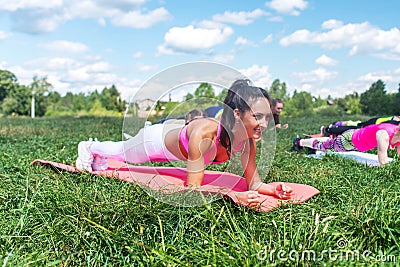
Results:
324 47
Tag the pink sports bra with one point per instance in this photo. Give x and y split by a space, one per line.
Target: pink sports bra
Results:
365 138
183 138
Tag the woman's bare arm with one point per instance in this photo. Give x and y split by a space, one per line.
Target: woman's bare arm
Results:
382 138
252 176
201 141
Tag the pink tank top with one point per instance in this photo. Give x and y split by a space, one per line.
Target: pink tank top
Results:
183 138
365 138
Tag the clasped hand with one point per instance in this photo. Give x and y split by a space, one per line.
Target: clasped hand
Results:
283 191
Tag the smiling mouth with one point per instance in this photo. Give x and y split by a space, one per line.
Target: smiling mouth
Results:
258 130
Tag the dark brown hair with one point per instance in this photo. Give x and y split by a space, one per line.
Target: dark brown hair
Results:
240 96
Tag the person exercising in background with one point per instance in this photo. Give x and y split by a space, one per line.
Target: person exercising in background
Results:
191 115
214 112
277 107
340 127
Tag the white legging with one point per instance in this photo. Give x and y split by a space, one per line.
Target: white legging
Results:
146 145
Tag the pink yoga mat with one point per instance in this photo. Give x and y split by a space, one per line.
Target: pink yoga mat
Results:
167 179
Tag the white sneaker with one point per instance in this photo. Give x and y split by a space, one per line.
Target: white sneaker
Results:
85 156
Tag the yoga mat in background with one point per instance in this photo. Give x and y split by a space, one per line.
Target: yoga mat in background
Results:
364 158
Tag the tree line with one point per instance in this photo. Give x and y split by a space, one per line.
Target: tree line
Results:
39 98
375 101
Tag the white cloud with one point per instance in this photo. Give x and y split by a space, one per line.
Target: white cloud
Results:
388 56
99 67
138 54
65 46
193 40
224 58
69 75
244 42
102 22
54 64
45 4
38 21
39 16
324 60
239 18
360 38
77 75
4 35
3 64
275 19
315 76
290 7
385 76
138 20
359 85
325 92
29 4
146 68
332 24
318 91
259 75
267 39
209 24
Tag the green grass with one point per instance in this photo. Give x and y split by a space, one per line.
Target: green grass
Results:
48 217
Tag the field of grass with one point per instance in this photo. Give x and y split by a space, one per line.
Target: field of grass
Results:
49 217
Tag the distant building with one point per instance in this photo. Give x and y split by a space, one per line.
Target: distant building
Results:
145 104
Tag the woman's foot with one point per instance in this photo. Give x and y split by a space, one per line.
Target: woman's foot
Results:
85 156
296 145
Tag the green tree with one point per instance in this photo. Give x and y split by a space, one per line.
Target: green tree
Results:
318 102
39 87
9 106
202 94
189 96
374 101
170 109
53 103
350 104
79 102
8 81
67 101
98 109
301 103
221 96
394 101
205 90
92 99
21 94
278 89
111 99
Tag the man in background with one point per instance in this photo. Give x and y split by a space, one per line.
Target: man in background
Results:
277 107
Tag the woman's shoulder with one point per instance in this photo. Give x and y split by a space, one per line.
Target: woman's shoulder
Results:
204 121
203 125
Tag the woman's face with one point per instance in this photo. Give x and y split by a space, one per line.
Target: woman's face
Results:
257 118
